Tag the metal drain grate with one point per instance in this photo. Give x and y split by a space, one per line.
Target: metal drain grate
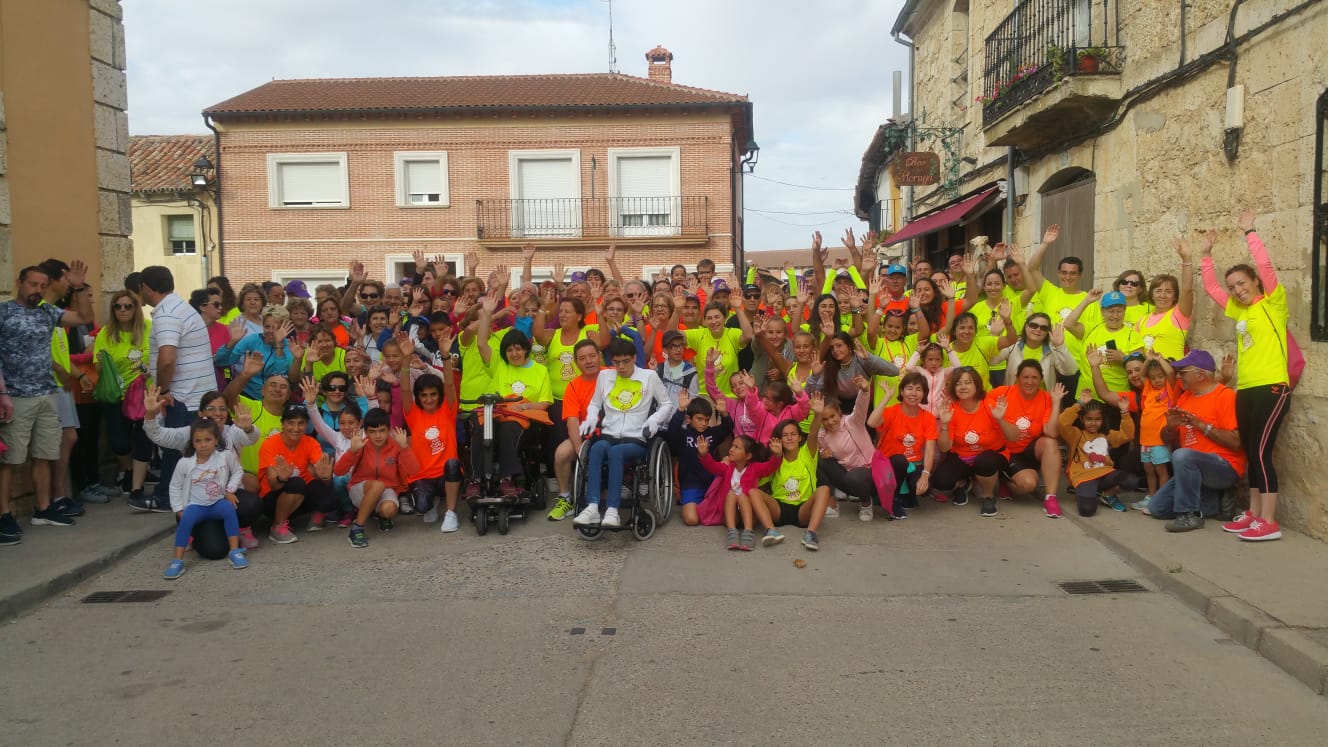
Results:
1104 586
127 596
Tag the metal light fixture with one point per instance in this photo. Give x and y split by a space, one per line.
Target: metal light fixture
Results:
199 177
750 154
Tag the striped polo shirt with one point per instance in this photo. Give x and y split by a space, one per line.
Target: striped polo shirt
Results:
176 323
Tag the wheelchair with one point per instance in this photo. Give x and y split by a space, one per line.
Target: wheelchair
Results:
647 491
490 506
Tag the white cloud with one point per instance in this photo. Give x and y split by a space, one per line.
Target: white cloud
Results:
818 74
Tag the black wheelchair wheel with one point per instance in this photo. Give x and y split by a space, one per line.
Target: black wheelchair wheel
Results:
481 516
504 520
643 524
661 480
538 493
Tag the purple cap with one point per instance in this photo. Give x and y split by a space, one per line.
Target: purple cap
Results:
719 285
1196 359
578 277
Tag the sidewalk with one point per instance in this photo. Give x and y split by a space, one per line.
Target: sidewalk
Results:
1269 596
51 560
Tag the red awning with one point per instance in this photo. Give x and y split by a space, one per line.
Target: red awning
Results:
943 218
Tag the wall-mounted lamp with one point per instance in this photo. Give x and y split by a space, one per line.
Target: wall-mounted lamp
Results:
201 176
749 156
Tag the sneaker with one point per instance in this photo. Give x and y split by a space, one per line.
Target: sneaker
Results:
282 534
472 489
809 540
1051 507
746 540
865 512
431 516
247 539
9 539
174 570
1239 524
1186 522
611 518
1260 530
125 481
772 537
1117 504
988 507
731 540
450 523
316 520
50 517
424 505
385 525
832 512
406 503
507 487
357 536
95 494
1104 499
588 517
139 502
960 497
9 525
898 514
939 497
561 508
238 561
346 520
68 506
161 506
1142 504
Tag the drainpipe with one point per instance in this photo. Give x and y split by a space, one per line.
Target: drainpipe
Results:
216 195
1010 195
897 35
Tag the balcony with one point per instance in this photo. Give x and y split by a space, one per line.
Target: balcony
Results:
1066 54
590 221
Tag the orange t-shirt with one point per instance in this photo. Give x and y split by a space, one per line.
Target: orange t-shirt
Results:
972 433
432 438
1029 416
576 400
1217 407
302 458
1153 415
901 434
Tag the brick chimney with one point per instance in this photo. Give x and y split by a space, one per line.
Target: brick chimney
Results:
661 65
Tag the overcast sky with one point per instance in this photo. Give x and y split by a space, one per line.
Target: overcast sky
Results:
818 73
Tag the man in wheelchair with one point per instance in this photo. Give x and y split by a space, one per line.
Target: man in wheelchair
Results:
625 395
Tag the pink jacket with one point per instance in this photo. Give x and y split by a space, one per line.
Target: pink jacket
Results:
710 511
851 445
750 418
935 382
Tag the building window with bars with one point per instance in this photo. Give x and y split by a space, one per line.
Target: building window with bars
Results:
1319 279
180 236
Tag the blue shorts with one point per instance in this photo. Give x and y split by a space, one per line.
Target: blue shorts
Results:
692 495
1155 454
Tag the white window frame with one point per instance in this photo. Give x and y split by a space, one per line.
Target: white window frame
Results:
514 158
674 227
311 278
275 160
538 274
399 161
392 259
721 268
166 234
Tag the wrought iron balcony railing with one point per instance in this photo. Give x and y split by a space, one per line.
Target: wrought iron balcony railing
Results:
598 217
1042 42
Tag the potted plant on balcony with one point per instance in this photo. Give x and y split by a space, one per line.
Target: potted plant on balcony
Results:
1056 59
1091 59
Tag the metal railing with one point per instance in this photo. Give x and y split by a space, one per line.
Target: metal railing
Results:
606 217
1043 41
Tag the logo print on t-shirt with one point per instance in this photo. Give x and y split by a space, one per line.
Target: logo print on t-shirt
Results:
135 354
1148 342
565 359
431 434
1246 339
791 485
518 387
1064 314
1096 451
971 438
899 361
1023 424
908 440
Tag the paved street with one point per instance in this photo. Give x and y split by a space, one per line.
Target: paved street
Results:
944 629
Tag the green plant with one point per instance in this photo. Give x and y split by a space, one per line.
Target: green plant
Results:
1056 59
1104 55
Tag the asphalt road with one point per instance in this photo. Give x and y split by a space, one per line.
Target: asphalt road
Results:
945 629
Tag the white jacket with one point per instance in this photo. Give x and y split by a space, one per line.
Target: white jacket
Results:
192 483
626 403
178 438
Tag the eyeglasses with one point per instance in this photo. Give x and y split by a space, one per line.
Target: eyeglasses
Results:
213 304
129 306
447 292
752 296
219 409
370 296
1038 327
335 387
1132 282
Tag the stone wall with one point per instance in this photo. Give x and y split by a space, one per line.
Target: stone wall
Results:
111 121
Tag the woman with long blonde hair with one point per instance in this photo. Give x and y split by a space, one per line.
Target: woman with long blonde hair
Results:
124 338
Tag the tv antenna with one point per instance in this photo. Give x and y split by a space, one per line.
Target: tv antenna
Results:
613 49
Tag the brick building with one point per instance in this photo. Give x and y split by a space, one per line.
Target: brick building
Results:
315 173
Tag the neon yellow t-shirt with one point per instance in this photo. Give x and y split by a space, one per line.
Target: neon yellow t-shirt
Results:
1057 304
322 369
987 316
267 424
1127 341
530 381
1261 339
474 374
561 361
1164 337
898 353
795 480
129 359
701 341
979 356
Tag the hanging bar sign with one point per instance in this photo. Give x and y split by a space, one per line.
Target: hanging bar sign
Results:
916 169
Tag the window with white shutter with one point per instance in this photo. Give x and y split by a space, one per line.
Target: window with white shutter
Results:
308 180
421 179
645 191
180 237
546 193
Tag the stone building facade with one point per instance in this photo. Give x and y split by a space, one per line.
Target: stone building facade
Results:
1138 146
570 162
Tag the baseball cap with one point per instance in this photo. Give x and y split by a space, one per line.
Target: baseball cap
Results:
896 270
1196 359
1113 298
672 336
578 277
751 287
720 286
297 288
294 411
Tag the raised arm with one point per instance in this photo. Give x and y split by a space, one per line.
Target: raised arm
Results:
1034 266
1094 358
253 365
614 272
485 325
1262 262
1072 323
1185 295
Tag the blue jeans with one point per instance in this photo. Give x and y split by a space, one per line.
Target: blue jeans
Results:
1197 481
193 514
618 453
177 415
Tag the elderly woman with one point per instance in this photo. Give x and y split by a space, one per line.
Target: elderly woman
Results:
300 311
1164 329
280 355
1042 342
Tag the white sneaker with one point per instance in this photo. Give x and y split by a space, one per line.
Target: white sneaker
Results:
832 512
450 522
865 513
589 516
611 518
431 515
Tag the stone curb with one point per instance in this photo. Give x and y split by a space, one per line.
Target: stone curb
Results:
26 599
1290 649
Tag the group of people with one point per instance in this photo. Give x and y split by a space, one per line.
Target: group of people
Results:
779 397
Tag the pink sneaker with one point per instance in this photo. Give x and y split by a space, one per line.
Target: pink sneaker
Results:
1051 507
247 539
1239 524
316 521
346 520
1260 530
282 534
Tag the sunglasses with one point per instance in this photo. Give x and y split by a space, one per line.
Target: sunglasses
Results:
335 388
370 296
752 296
129 306
447 292
1038 327
213 304
1132 282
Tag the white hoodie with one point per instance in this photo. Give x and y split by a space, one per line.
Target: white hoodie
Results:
626 403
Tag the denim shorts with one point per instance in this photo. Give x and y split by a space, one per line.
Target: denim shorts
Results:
1155 454
692 495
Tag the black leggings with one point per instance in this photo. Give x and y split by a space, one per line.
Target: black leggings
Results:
210 537
952 470
318 497
856 482
1259 414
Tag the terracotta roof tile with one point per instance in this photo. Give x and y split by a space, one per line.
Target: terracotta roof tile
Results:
597 90
162 163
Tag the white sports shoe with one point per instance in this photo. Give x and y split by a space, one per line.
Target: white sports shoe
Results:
589 516
865 513
832 512
450 522
611 518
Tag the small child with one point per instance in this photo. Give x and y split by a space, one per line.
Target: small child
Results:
694 421
757 409
1158 396
932 357
379 470
1089 466
203 488
676 372
745 467
847 449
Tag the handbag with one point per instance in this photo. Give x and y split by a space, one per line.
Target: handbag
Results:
132 406
110 385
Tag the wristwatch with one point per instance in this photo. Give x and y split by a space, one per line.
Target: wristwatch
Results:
1208 428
